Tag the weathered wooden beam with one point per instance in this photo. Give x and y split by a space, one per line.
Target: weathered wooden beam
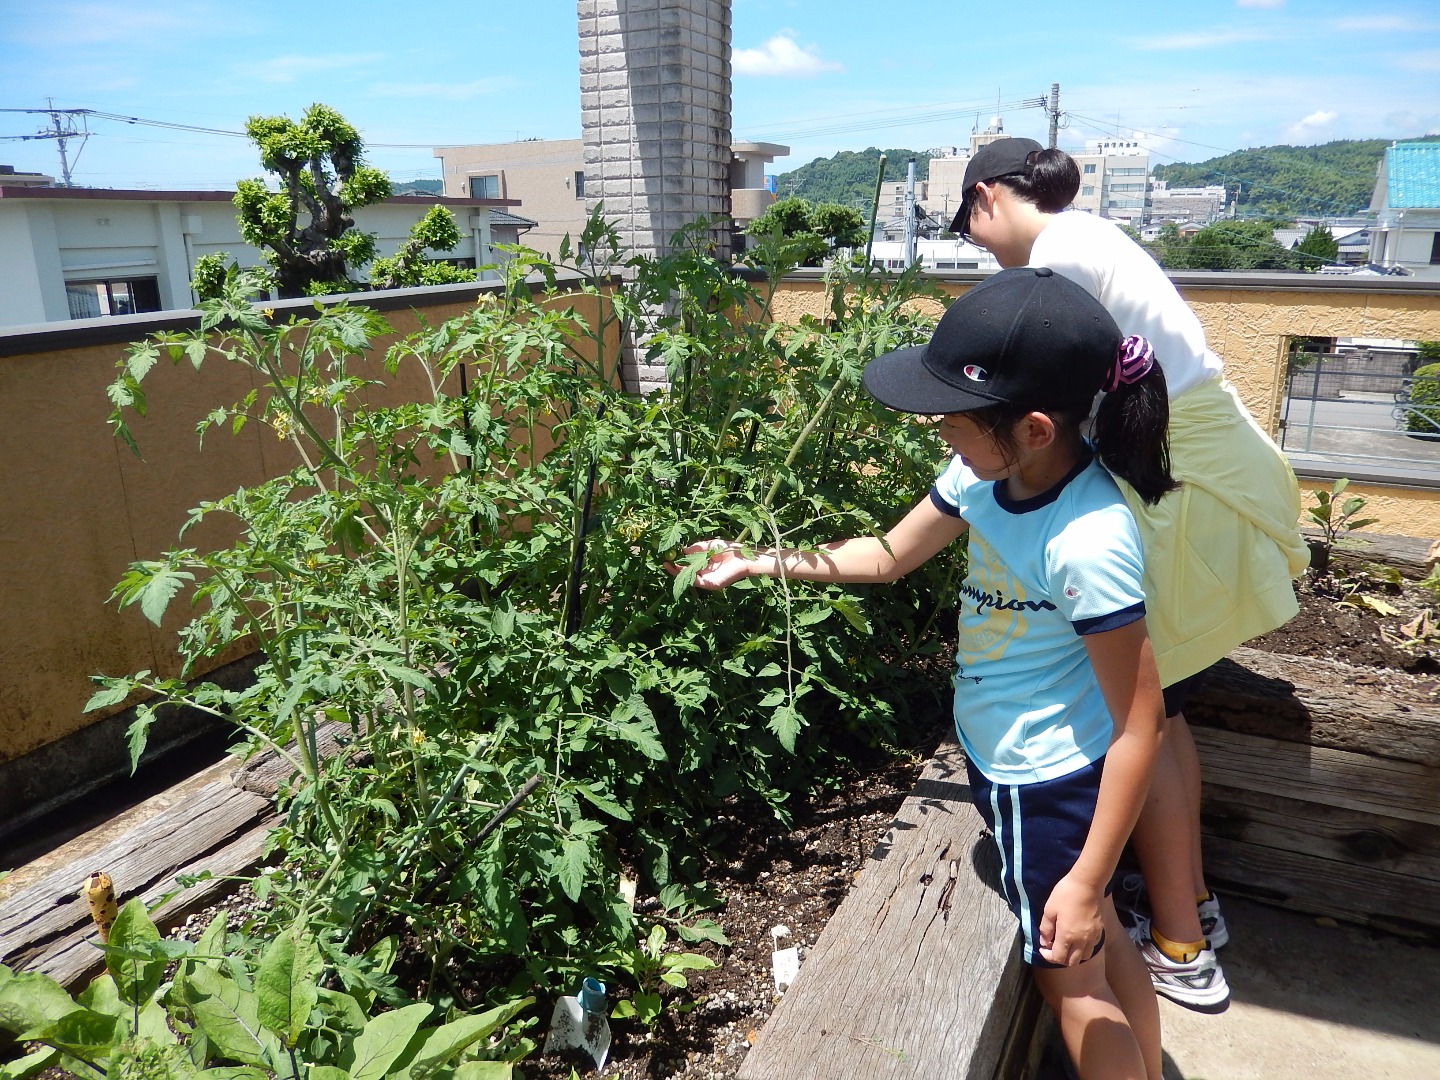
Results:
1329 832
1408 554
1316 702
918 974
46 925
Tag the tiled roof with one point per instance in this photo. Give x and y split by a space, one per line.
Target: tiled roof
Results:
1412 175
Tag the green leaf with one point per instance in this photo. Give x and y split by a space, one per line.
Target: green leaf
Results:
29 1065
326 1072
602 801
228 1016
383 1040
158 590
786 723
574 861
852 614
810 616
285 988
136 978
84 1034
137 735
441 1045
117 691
32 999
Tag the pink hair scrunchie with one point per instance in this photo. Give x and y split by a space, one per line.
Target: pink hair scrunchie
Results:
1133 361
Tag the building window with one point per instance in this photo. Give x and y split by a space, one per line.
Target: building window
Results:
485 187
119 296
1090 169
579 183
1088 190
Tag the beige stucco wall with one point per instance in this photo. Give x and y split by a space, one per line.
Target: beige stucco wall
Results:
1248 322
79 508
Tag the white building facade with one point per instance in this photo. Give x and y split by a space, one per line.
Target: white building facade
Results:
73 253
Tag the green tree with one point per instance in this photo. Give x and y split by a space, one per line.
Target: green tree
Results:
1234 245
322 180
1317 248
811 230
436 231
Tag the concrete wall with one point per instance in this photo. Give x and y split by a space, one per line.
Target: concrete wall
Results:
1248 320
80 507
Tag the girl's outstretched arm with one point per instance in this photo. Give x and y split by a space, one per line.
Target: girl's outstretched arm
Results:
922 533
1124 664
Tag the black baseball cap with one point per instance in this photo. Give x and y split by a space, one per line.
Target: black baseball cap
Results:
1025 336
1003 157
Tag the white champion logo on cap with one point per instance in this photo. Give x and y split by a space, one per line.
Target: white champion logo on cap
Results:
976 373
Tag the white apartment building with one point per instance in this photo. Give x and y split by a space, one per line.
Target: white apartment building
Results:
1113 179
75 253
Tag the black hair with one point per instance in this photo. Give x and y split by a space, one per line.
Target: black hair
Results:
1131 435
1129 432
1051 180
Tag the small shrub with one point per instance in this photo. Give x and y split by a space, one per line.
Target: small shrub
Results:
1333 517
1423 414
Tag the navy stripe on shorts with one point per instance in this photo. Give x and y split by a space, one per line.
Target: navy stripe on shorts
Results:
1039 830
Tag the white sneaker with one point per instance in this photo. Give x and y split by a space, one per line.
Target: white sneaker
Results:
1212 923
1198 984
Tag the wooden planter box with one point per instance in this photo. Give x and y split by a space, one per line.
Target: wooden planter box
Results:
1321 790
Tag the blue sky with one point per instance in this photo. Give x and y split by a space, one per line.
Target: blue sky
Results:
1189 81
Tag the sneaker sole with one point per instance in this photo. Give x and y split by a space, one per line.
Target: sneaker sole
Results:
1205 1004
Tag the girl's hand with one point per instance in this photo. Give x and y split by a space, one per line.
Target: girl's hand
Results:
1072 925
726 566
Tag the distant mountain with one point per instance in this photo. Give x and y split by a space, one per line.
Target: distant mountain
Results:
848 178
1334 179
418 187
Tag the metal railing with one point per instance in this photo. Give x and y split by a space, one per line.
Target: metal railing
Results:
1363 411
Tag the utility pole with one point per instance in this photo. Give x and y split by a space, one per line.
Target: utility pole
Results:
910 214
1053 110
62 129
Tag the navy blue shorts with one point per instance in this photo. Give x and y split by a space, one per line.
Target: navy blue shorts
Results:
1040 830
1178 693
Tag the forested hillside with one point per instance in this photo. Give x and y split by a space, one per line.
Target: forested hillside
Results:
848 178
1334 178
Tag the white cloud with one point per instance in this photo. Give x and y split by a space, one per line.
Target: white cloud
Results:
286 69
1316 124
443 91
781 56
1205 39
1426 61
1260 3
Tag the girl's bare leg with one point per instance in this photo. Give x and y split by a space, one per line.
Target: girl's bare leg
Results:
1165 839
1104 1040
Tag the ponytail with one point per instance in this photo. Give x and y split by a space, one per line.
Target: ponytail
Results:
1129 432
1051 180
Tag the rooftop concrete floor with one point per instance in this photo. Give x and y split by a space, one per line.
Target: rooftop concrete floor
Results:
1311 1002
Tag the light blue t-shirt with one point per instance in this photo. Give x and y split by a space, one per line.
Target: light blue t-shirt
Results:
1043 572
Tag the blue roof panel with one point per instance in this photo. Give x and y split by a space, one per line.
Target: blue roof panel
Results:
1412 172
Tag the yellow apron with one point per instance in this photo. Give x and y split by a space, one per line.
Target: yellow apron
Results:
1221 551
